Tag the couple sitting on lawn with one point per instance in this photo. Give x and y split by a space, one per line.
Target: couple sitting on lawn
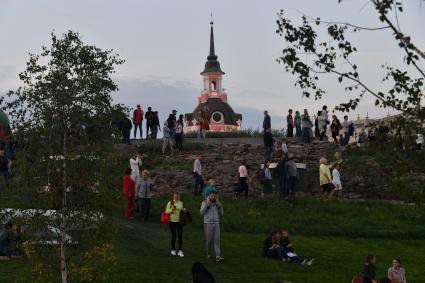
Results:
279 245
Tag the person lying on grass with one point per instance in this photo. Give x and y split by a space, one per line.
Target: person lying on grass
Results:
278 245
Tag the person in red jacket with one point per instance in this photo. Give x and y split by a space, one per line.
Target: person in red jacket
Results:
129 192
138 120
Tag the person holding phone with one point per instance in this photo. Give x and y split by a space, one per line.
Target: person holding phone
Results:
212 209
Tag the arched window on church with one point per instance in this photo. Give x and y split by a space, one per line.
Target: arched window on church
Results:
213 85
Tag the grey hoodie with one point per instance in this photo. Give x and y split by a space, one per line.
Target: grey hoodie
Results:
212 213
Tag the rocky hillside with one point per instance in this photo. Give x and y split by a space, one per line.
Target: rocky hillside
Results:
220 160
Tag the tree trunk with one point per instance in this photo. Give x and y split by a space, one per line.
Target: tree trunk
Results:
64 268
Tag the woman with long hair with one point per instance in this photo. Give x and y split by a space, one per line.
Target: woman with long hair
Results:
286 243
369 270
396 273
174 208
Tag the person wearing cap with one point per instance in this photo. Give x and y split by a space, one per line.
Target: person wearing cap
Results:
149 118
138 120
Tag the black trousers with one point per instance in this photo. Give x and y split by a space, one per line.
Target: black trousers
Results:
145 207
290 132
243 186
176 232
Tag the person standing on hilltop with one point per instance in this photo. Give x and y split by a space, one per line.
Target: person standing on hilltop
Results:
267 124
297 124
290 124
168 140
306 125
138 121
149 118
179 133
197 172
335 128
205 122
155 125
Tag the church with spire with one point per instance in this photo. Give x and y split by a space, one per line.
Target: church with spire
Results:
213 98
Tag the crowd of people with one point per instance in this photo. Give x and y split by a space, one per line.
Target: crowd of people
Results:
304 124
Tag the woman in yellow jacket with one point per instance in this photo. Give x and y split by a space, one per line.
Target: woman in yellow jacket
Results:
325 178
174 207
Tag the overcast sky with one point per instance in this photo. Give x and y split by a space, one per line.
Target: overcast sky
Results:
165 44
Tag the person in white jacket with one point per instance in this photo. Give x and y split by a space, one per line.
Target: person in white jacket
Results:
135 165
336 180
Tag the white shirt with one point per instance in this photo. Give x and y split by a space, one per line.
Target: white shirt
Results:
346 126
197 167
135 166
242 171
336 179
285 148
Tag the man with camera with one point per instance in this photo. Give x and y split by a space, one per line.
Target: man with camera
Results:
212 209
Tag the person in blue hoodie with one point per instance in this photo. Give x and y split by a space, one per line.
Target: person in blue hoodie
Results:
210 188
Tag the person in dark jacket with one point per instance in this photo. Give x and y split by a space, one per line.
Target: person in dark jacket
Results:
149 118
125 126
369 270
267 121
155 125
335 128
268 144
272 248
290 124
281 170
200 274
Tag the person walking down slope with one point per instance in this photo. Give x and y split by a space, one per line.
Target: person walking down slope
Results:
243 179
144 194
129 194
138 120
174 209
211 210
197 172
325 178
369 270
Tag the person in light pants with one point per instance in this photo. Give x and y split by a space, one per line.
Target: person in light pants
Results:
212 209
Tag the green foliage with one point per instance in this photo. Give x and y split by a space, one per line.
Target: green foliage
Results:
62 119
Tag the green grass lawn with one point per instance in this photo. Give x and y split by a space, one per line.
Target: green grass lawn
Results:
339 235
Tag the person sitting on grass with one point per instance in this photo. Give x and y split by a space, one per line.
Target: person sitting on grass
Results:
272 248
210 188
11 243
290 255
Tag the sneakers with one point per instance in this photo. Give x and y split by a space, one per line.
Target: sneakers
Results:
173 252
304 262
219 259
180 254
310 262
